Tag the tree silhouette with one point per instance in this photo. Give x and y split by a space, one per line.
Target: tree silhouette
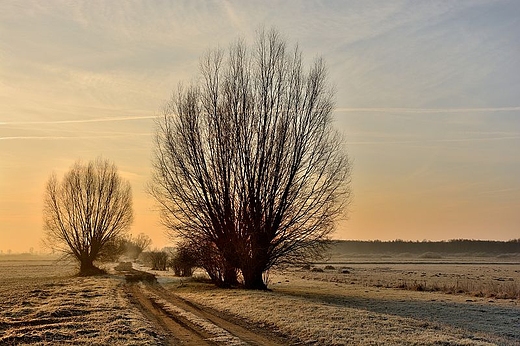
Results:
86 212
134 246
247 160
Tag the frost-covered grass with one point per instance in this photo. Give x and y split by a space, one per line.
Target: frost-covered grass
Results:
44 304
219 334
331 313
500 281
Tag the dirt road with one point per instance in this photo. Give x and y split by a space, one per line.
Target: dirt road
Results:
185 323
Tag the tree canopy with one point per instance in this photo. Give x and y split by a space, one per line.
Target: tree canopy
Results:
87 212
248 166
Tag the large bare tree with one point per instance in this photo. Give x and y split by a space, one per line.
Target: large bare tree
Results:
87 211
247 159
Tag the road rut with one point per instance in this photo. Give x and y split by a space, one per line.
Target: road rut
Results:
186 323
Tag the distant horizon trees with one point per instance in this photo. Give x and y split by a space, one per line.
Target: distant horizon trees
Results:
87 212
248 170
418 247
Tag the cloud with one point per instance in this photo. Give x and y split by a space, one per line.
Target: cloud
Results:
430 110
73 137
426 141
94 120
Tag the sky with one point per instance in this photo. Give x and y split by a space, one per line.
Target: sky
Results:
427 96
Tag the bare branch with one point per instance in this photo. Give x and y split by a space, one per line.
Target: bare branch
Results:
87 213
247 161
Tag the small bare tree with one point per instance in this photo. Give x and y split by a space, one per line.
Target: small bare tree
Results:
248 162
134 246
157 260
87 212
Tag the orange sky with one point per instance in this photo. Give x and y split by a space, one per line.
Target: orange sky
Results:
427 96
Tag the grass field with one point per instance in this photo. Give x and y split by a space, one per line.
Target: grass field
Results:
320 308
355 302
41 303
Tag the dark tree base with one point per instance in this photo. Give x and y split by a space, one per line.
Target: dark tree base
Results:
91 271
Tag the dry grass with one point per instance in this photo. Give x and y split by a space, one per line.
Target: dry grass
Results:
218 334
310 321
489 289
51 307
42 303
497 281
363 304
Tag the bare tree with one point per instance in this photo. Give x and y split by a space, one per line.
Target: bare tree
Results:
182 260
87 212
157 260
208 257
134 246
248 159
113 250
142 241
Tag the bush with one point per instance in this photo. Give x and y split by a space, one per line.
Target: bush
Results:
157 260
183 262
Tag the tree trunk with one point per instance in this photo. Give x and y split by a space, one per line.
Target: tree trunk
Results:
253 278
87 268
230 276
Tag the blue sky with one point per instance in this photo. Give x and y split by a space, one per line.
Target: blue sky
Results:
427 97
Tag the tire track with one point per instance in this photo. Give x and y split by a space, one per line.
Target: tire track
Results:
189 324
176 330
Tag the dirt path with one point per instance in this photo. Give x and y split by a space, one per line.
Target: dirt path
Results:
176 331
186 323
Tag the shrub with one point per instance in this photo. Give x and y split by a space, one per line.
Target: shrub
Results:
157 260
183 262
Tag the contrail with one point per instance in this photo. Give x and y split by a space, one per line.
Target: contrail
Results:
72 137
453 140
430 110
94 120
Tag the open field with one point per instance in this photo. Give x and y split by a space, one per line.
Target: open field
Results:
332 313
498 280
41 303
357 302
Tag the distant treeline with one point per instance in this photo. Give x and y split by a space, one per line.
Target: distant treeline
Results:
416 247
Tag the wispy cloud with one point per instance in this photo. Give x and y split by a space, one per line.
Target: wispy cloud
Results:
430 110
448 140
74 121
499 191
72 137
